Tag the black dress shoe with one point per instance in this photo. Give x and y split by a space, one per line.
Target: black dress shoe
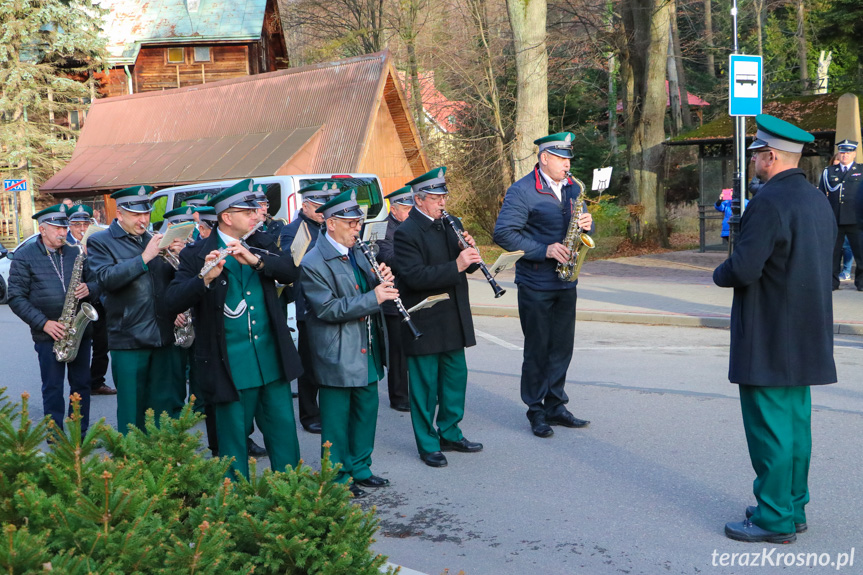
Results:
540 427
434 459
567 420
401 406
255 450
313 427
356 491
751 533
463 445
373 481
798 527
103 390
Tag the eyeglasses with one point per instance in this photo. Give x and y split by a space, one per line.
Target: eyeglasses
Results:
357 223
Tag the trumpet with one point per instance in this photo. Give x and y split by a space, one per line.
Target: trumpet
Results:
498 291
406 317
223 253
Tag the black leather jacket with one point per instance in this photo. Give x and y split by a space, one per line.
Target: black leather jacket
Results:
132 292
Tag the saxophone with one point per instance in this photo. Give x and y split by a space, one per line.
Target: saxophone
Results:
66 348
576 240
184 336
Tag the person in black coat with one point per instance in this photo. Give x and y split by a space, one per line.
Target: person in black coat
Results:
781 329
430 262
314 196
401 203
243 346
841 184
535 216
39 278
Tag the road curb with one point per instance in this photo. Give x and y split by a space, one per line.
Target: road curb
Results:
402 570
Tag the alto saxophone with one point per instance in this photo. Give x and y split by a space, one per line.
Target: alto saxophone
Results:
66 348
576 241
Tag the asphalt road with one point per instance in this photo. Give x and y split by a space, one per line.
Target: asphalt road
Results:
646 489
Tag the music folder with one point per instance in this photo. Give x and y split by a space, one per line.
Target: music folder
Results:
301 243
181 231
429 301
505 261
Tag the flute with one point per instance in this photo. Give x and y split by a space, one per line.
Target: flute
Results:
398 301
498 291
223 253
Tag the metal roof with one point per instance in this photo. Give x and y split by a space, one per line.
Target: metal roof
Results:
244 127
131 23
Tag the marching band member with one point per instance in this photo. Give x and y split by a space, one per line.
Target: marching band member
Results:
206 221
197 201
39 278
244 350
347 338
133 277
430 261
534 218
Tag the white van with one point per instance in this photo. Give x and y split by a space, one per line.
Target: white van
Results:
281 191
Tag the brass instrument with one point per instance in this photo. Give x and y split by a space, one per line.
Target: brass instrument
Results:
184 335
576 240
223 253
406 317
66 348
498 291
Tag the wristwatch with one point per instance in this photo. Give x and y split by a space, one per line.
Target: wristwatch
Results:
258 265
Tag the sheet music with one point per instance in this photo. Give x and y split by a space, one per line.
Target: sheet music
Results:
301 243
429 302
505 261
177 231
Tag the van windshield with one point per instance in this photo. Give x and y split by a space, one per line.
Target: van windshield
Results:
368 192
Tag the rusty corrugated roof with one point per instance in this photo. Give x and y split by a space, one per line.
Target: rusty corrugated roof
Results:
244 127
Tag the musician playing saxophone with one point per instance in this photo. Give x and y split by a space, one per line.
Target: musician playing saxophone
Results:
145 363
39 279
534 217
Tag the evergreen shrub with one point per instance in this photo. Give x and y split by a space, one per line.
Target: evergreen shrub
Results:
149 502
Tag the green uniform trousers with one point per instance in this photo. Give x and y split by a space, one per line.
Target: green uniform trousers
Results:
777 421
147 378
272 406
349 417
437 381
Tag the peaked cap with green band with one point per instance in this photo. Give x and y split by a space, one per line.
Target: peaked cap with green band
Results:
198 199
559 144
260 195
134 199
779 135
343 206
402 196
80 213
207 214
433 182
181 214
319 193
240 195
53 216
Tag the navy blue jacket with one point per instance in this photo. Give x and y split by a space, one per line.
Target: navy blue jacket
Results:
35 292
781 272
288 233
532 219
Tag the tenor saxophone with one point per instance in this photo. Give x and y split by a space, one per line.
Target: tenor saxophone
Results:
576 241
74 324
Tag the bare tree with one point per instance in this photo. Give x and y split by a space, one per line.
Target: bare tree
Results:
683 97
708 37
802 45
340 27
407 22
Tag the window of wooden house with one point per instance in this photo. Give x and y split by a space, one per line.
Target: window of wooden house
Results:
176 56
202 53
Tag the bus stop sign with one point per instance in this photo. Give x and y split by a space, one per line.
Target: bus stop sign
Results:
744 98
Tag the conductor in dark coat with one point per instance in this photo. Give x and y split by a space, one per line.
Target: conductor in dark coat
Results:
243 347
429 262
781 329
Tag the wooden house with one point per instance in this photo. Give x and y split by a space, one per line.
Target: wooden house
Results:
337 117
162 44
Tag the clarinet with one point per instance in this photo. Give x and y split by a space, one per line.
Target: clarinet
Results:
223 253
498 291
367 252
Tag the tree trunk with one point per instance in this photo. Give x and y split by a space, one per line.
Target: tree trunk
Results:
685 113
708 38
758 6
643 69
802 47
673 89
612 84
416 93
528 21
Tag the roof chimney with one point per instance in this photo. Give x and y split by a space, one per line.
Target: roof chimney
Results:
192 5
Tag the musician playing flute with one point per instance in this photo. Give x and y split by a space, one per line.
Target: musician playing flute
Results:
535 215
244 351
347 338
430 261
39 279
133 277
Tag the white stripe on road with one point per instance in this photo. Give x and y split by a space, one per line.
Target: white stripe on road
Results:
497 340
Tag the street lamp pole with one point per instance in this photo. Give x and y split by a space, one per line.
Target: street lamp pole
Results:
739 187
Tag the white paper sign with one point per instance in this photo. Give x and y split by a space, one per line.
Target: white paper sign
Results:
601 178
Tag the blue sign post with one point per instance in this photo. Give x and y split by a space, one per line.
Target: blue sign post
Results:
744 85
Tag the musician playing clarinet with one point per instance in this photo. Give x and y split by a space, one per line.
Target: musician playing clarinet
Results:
430 261
534 217
243 348
347 338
